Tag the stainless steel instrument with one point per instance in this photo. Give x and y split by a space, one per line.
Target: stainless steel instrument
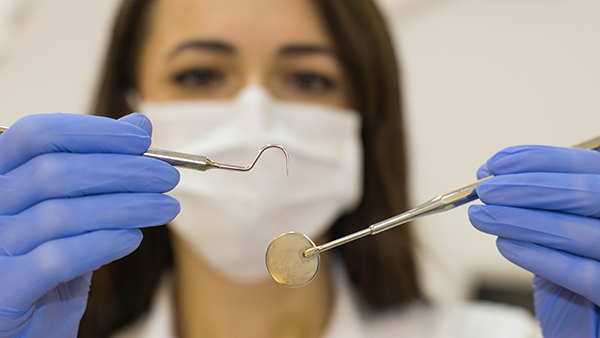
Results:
202 163
293 259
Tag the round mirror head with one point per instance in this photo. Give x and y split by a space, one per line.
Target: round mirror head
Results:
286 263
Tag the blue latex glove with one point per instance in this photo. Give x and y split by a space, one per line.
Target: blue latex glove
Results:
73 191
544 205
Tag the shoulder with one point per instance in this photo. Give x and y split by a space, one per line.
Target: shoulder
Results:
464 320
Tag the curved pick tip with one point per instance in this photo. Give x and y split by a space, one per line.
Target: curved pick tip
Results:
265 147
251 165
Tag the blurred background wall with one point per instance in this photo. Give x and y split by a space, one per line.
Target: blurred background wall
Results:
478 75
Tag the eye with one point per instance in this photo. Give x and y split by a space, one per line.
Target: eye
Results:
202 77
309 81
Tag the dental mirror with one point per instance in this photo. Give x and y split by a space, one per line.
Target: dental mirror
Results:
286 262
293 259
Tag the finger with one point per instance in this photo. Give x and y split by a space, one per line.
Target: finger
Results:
61 175
573 193
25 279
562 312
59 218
138 120
40 134
483 171
575 273
521 159
575 234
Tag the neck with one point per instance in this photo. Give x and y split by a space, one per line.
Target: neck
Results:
210 305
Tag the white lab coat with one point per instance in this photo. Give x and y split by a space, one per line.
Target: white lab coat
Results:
417 320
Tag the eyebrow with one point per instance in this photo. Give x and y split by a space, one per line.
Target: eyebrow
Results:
303 49
213 45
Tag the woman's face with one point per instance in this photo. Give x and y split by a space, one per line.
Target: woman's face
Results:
210 49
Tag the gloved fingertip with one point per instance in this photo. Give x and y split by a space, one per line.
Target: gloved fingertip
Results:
515 159
483 172
175 206
516 251
130 239
474 211
487 191
171 177
481 219
512 150
168 209
506 247
504 243
133 235
140 121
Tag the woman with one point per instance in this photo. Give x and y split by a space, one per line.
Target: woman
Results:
223 49
218 78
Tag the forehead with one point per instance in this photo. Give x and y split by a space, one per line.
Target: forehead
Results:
248 24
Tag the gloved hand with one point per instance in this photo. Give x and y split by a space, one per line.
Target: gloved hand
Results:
73 191
544 205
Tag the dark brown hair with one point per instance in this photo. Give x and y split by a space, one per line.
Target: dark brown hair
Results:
381 268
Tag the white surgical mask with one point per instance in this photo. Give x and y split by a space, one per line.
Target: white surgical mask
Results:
229 218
